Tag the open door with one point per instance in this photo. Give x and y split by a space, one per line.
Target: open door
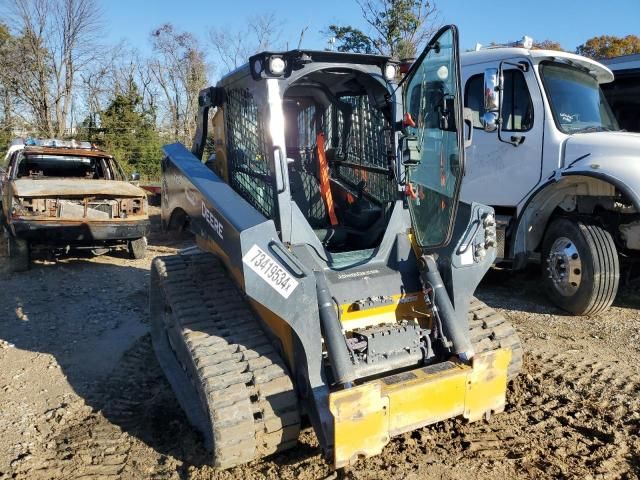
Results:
432 96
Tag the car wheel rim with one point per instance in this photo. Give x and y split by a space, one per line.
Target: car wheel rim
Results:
564 267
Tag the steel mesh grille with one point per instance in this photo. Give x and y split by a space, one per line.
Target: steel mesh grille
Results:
367 143
249 168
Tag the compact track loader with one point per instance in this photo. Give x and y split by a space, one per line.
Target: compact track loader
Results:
336 266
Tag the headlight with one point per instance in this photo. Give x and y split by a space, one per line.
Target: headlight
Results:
132 206
390 71
277 65
17 208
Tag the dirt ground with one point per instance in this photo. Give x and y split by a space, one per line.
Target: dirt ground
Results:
82 396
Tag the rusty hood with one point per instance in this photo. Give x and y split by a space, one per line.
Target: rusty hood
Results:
59 187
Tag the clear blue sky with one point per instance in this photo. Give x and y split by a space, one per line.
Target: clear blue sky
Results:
569 22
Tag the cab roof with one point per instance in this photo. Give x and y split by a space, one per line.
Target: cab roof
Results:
56 147
598 70
76 152
297 59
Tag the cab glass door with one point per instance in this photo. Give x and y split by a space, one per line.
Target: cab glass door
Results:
431 95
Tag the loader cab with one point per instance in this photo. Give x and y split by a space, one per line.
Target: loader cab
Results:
315 141
338 127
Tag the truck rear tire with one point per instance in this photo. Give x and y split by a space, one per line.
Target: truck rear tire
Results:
222 367
137 248
580 266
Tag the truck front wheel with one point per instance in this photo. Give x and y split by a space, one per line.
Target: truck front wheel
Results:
580 270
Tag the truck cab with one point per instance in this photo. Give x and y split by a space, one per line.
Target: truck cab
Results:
549 155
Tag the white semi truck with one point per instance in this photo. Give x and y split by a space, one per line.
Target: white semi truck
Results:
549 156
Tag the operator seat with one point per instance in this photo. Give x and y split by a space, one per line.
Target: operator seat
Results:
305 192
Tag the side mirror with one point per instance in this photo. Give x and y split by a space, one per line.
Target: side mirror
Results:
411 155
135 177
492 86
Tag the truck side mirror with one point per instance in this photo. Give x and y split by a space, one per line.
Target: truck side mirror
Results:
492 86
135 177
411 155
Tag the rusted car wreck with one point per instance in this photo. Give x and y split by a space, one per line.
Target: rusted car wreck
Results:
61 195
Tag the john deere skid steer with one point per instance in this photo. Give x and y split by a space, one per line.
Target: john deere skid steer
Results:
336 266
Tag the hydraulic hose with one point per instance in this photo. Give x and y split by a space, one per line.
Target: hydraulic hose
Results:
453 329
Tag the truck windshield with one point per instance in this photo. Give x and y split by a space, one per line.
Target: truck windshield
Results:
577 103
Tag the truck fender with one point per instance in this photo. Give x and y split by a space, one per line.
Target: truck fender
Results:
559 192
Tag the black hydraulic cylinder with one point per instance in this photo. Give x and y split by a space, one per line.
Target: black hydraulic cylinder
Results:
339 356
453 328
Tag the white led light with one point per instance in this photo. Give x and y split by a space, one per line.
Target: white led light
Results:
390 72
276 65
527 42
443 73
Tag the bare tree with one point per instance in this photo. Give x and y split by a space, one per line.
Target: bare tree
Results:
397 28
233 48
180 70
55 41
6 96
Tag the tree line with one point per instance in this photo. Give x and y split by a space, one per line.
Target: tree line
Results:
58 80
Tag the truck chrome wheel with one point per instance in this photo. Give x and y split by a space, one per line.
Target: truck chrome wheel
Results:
564 266
581 268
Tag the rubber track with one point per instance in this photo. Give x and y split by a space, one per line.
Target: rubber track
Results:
489 330
606 275
242 383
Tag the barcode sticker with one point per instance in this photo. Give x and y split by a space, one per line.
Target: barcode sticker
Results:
270 271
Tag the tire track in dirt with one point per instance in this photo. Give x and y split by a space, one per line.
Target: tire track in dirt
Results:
109 440
568 416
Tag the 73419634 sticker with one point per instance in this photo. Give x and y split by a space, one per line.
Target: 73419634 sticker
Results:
270 271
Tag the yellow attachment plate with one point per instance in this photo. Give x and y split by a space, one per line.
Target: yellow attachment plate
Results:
366 416
361 418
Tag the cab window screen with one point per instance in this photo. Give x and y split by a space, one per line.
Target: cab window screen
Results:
249 168
361 136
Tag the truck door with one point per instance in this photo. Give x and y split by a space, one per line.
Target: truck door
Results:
431 95
499 173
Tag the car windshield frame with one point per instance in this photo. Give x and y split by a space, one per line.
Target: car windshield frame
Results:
581 78
114 169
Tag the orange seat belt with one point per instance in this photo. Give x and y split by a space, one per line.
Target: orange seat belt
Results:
325 186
